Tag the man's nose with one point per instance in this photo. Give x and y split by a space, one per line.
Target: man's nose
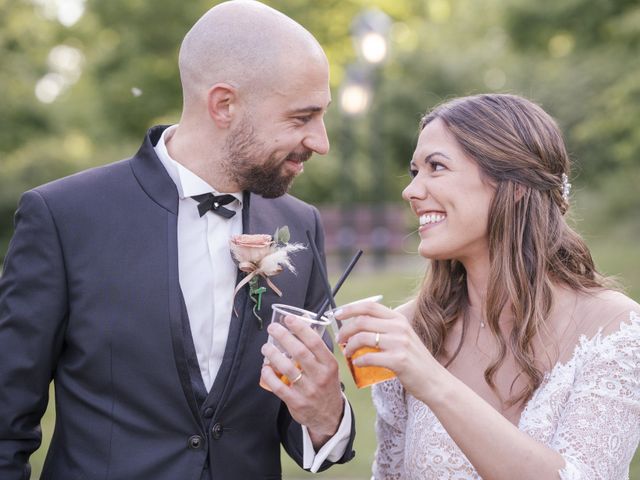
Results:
317 139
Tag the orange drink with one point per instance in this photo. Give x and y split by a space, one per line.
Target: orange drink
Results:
362 376
366 376
283 378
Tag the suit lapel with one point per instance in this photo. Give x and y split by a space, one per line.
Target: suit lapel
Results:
179 323
157 184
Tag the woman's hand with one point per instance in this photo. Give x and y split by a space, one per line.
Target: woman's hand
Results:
401 350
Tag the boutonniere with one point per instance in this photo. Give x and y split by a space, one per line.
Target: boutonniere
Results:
262 256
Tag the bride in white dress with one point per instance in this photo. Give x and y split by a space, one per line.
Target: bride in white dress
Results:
516 360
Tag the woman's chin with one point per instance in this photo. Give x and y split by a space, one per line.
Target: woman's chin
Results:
431 252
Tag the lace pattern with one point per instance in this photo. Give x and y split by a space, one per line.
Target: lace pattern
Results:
587 409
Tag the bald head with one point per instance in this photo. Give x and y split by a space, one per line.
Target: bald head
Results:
245 44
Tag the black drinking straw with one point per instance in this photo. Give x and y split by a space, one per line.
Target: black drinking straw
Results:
323 276
325 280
340 281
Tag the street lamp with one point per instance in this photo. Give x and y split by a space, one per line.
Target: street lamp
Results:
354 99
370 33
355 92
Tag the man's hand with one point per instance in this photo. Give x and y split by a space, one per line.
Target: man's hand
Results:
314 398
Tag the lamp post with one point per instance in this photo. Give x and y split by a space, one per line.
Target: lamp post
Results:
370 32
354 99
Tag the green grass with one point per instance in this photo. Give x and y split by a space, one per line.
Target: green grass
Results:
396 285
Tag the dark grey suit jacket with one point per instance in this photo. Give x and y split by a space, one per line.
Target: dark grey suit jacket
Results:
90 298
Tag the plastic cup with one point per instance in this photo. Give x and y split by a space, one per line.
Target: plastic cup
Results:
280 312
362 376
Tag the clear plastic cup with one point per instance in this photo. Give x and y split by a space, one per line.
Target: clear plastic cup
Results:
362 376
280 312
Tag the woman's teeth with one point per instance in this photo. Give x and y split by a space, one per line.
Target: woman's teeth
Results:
431 218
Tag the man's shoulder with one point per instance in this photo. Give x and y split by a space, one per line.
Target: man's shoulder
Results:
89 180
287 203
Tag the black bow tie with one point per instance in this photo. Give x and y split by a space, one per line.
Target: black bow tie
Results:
209 201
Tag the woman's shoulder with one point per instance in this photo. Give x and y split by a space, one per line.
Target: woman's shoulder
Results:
605 311
607 304
407 309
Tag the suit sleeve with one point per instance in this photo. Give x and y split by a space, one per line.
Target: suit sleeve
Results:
291 431
33 307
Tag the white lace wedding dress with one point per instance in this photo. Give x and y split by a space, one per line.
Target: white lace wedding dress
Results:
587 409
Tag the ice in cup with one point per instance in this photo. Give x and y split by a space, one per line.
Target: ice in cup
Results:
280 312
362 376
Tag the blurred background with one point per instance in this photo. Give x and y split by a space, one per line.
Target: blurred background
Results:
82 80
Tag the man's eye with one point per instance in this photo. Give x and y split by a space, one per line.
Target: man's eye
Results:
305 119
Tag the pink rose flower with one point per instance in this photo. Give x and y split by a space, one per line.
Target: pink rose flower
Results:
251 248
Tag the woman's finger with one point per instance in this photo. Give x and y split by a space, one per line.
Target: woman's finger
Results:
372 309
365 323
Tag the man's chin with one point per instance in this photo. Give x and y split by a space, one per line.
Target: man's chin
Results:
273 190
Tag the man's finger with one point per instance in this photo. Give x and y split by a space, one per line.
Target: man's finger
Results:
310 338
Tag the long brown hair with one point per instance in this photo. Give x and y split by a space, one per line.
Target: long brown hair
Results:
520 150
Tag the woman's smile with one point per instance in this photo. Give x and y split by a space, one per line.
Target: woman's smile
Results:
430 220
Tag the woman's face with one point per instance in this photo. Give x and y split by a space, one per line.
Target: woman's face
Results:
450 198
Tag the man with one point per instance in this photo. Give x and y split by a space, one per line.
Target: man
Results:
118 285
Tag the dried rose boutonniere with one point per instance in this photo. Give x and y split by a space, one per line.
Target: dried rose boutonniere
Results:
262 256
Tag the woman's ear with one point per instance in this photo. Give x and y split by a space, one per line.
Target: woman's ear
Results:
520 191
221 104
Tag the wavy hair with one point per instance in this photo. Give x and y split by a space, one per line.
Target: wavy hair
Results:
520 151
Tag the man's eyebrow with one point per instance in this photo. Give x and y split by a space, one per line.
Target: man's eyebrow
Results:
309 109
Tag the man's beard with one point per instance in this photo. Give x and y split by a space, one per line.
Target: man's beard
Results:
252 169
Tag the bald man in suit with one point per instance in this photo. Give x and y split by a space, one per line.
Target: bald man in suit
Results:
119 287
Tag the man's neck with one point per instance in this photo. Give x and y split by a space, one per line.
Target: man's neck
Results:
189 150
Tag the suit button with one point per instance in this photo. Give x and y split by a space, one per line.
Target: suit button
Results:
194 442
216 431
208 412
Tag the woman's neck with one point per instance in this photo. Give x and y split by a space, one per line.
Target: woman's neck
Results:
477 274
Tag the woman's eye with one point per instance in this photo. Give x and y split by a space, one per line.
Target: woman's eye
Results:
436 166
413 173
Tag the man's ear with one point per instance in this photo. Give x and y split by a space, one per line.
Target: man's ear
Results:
222 104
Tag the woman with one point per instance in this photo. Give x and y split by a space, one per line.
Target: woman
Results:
515 361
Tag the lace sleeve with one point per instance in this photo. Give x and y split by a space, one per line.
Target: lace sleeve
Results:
391 419
599 428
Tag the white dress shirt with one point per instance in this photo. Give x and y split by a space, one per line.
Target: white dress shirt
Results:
203 247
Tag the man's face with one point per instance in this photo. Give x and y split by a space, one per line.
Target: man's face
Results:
266 150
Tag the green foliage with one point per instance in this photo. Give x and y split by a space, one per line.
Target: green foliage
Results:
592 49
578 58
282 235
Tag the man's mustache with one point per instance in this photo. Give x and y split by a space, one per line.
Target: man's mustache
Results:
299 156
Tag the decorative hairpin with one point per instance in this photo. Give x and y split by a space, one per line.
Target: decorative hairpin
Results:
566 187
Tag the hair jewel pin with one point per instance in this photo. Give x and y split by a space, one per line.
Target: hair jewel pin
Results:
566 187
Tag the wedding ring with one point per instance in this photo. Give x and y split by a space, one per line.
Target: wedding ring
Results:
377 340
296 379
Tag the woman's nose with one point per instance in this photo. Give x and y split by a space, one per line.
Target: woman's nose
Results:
416 190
